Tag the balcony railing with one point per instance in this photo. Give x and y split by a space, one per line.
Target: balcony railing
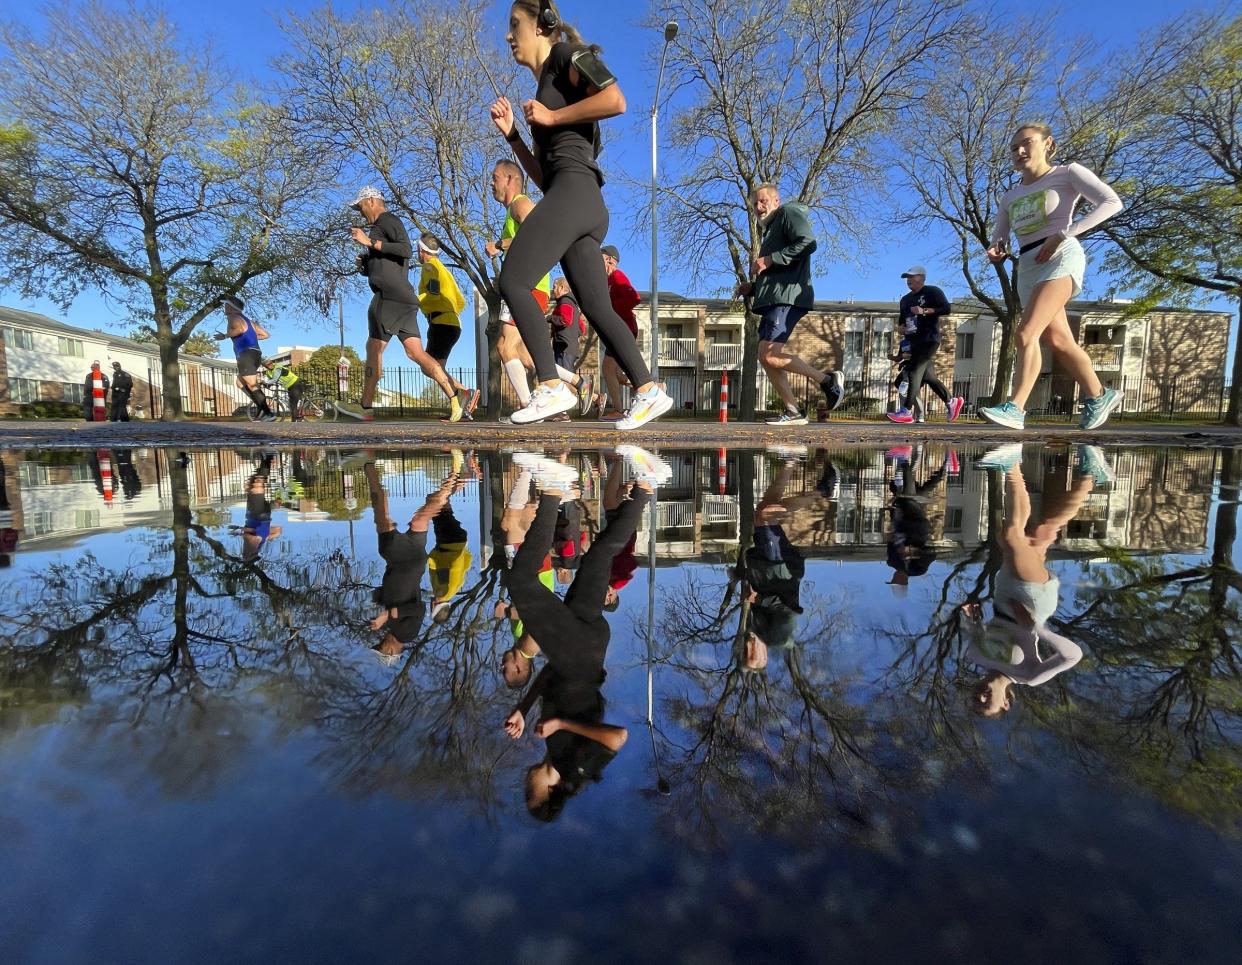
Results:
678 351
1104 355
684 351
726 355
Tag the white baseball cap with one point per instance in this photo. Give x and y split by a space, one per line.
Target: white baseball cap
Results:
367 193
914 270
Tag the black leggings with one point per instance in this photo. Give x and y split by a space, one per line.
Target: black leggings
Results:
922 372
568 225
572 631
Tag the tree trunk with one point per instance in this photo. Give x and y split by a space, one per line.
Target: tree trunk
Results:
748 391
495 371
1004 362
1234 414
171 409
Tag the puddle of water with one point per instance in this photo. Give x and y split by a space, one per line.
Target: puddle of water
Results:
795 705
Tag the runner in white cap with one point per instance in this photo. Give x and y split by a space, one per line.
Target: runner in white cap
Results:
919 316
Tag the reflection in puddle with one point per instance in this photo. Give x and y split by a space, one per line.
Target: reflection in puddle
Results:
792 700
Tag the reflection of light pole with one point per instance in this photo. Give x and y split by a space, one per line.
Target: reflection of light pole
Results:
670 31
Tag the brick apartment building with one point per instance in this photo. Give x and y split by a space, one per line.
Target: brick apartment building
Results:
1155 357
44 360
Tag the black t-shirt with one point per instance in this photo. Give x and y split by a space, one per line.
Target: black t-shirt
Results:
406 556
122 383
927 327
387 270
572 147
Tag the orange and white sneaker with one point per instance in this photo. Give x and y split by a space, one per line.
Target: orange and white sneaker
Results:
645 407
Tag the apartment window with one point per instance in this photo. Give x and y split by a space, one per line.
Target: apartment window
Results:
953 519
18 338
71 346
965 345
1136 345
24 390
73 392
854 346
672 331
881 343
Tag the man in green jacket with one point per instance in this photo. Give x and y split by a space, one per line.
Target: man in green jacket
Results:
781 294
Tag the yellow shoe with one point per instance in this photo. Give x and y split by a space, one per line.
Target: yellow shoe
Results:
455 410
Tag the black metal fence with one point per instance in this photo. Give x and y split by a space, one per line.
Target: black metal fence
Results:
406 391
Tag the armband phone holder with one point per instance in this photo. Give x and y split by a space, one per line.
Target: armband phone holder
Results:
592 69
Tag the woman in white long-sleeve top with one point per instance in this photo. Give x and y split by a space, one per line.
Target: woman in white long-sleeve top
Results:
1040 211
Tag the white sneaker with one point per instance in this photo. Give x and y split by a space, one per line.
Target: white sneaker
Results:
646 406
546 401
645 466
548 473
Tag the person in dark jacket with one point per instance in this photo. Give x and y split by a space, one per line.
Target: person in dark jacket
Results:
122 389
920 312
780 295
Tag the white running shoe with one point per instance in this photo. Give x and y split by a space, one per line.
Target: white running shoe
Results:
646 406
548 473
645 466
546 401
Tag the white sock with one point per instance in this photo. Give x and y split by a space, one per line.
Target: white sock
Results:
568 377
520 494
516 372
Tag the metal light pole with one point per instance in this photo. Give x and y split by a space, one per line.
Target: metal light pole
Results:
670 31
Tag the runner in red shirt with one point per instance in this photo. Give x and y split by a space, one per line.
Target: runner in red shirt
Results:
624 300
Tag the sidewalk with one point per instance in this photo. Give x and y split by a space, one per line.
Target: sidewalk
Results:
49 434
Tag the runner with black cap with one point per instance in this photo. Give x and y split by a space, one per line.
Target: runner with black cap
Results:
385 261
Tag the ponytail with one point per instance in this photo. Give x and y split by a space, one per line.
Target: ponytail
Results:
563 31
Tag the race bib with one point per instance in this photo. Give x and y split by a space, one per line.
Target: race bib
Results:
1029 213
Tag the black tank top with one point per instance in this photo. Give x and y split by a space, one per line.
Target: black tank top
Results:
572 147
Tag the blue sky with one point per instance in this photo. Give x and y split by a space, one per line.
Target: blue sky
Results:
249 30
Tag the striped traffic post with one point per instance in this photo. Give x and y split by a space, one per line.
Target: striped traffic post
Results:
722 470
724 396
98 411
105 471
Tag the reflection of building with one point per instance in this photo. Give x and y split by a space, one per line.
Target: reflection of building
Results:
43 360
57 498
1162 358
1160 502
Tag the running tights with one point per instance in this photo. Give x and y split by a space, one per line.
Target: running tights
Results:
574 629
921 371
568 226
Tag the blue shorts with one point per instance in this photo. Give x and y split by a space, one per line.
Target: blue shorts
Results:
776 322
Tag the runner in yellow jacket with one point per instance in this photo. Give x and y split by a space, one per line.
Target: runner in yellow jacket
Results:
441 300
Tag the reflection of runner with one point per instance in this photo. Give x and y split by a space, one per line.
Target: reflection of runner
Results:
1040 210
574 635
258 529
570 222
245 335
1016 646
449 561
8 534
910 552
385 261
773 569
405 561
782 294
442 301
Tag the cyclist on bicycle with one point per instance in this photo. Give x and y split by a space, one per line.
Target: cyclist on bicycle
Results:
288 379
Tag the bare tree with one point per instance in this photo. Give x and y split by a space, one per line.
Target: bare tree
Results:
390 94
132 165
792 92
988 81
1164 123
